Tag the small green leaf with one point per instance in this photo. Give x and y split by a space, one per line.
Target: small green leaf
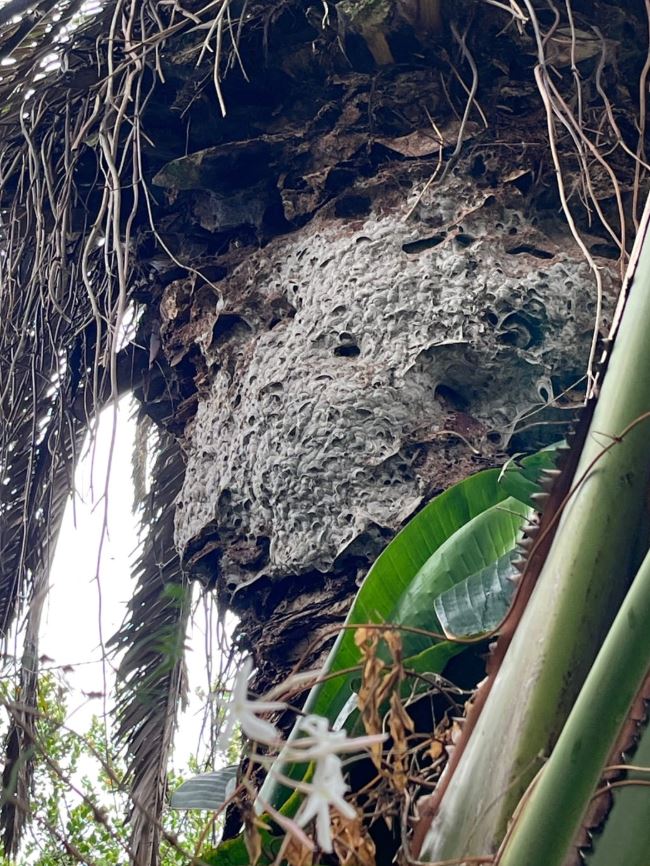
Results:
207 791
522 478
233 852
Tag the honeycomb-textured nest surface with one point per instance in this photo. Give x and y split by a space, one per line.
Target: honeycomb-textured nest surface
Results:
404 333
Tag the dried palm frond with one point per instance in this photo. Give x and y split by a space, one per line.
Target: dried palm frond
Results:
18 769
73 83
151 674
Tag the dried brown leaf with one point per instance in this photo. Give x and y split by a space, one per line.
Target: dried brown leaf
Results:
421 142
252 837
400 724
352 843
296 853
364 635
394 643
379 680
151 680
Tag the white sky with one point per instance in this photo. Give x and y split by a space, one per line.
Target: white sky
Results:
87 600
72 627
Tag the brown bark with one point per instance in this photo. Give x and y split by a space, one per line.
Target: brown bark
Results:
354 338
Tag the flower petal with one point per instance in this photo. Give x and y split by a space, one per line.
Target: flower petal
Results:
324 829
309 809
267 706
260 730
226 732
346 809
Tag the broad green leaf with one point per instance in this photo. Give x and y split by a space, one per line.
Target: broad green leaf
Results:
433 659
479 543
393 572
381 596
479 603
580 586
206 791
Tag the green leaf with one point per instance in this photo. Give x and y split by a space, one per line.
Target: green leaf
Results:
392 574
522 478
460 532
479 543
479 603
431 660
580 586
233 852
206 791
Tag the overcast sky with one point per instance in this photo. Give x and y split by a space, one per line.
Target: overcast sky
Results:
72 627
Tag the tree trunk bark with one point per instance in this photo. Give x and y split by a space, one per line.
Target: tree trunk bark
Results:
384 294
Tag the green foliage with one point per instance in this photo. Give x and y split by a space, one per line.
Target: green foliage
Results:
466 528
472 548
233 852
205 791
77 795
388 594
461 543
478 604
570 679
557 803
470 527
521 478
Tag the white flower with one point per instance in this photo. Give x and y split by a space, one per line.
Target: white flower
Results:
245 712
328 785
326 789
321 741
